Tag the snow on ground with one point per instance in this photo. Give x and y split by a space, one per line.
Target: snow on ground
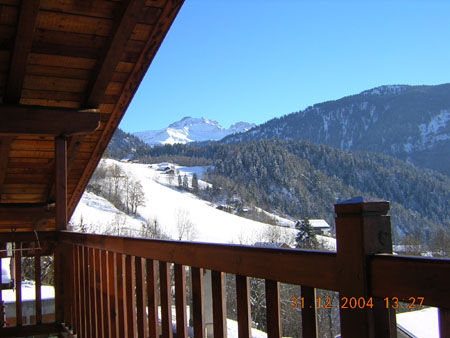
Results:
420 324
28 292
232 330
166 204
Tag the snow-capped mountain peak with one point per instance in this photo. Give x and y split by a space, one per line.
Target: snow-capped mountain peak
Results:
191 129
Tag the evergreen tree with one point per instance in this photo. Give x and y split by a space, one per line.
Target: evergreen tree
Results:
195 183
180 183
306 238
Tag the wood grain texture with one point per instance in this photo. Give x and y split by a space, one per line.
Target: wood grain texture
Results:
244 317
5 146
152 298
125 24
273 313
265 263
61 182
24 37
309 314
219 304
198 303
29 120
130 286
141 312
180 301
166 299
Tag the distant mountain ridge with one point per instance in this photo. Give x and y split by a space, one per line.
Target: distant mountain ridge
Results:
408 122
191 129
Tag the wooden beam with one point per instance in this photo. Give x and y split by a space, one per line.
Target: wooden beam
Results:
61 182
44 121
129 16
32 213
22 46
5 147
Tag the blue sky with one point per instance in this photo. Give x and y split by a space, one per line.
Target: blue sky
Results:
252 60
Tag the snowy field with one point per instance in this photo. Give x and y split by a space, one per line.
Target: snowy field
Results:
166 204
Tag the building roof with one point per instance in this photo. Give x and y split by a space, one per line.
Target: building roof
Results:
67 67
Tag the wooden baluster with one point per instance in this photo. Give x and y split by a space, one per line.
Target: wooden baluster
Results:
100 311
113 323
68 289
93 293
37 279
105 292
59 267
166 300
152 300
219 304
140 298
130 284
309 316
197 302
273 308
77 289
180 300
120 297
444 323
18 281
83 296
87 290
243 306
362 229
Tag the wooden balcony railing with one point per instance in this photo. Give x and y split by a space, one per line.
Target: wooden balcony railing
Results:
108 286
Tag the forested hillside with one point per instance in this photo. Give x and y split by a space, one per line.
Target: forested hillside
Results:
301 179
408 122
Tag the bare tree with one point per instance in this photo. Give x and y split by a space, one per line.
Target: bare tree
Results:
185 228
137 196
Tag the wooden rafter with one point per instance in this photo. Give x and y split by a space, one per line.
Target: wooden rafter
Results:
28 213
129 16
61 182
32 120
5 146
22 46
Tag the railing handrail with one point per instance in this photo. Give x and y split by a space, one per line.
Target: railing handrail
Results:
291 266
390 275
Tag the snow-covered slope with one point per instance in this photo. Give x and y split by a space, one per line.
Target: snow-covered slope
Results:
191 129
166 204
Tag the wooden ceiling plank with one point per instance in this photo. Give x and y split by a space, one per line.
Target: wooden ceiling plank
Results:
5 146
22 46
119 37
32 120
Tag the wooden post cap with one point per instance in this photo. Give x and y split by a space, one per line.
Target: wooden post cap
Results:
361 204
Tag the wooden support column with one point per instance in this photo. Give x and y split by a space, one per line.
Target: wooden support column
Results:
61 182
362 229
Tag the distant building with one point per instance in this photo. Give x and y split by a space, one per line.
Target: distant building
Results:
320 226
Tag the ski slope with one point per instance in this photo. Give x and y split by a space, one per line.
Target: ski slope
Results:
165 203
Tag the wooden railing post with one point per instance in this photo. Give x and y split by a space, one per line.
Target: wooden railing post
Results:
362 229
